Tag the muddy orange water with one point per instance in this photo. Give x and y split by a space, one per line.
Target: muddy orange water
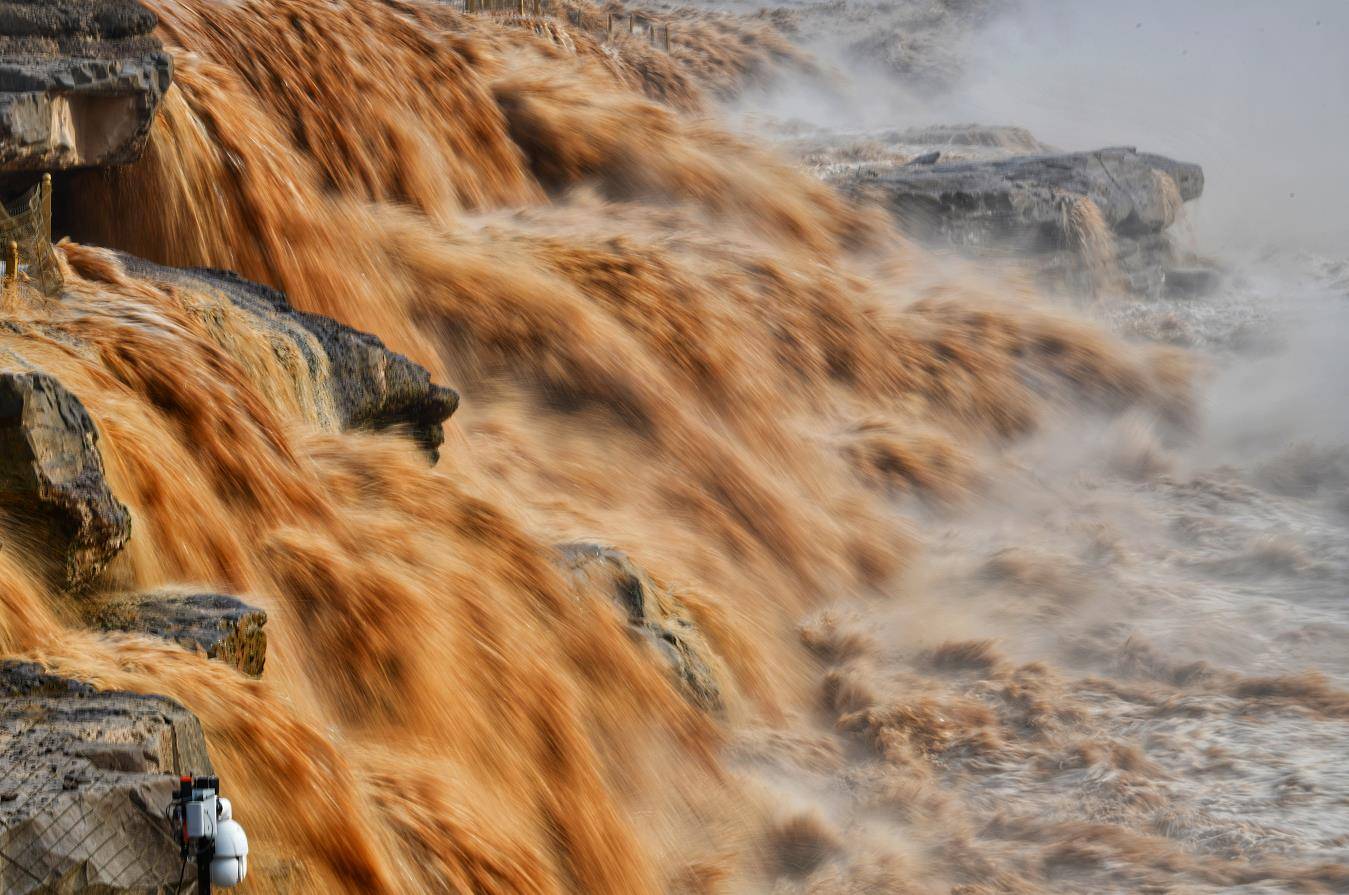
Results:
668 340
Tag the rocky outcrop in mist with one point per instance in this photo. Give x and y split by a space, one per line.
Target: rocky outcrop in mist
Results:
1082 219
655 615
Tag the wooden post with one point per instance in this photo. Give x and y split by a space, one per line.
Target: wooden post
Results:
609 31
522 7
629 23
667 38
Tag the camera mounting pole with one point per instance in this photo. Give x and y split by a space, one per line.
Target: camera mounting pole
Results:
208 833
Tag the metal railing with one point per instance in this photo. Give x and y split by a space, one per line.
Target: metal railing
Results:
26 238
657 34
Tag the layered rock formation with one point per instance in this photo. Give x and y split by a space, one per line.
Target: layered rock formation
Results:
52 490
1019 200
85 780
222 627
1083 219
56 501
370 387
80 81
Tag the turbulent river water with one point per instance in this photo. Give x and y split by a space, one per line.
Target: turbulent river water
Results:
1002 592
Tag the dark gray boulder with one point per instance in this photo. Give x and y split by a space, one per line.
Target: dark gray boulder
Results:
52 489
1032 206
80 82
225 628
85 780
372 387
655 615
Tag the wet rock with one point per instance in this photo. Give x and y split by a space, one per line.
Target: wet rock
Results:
52 488
372 387
655 614
1068 214
1020 197
80 82
225 628
87 777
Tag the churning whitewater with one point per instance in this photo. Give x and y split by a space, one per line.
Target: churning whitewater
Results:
947 579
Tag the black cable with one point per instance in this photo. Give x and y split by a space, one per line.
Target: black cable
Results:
177 890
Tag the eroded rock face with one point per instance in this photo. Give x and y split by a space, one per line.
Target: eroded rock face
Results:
52 488
85 779
80 82
372 387
655 615
225 628
1109 207
55 501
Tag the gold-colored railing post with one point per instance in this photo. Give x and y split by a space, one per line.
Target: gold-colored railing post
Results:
47 204
12 272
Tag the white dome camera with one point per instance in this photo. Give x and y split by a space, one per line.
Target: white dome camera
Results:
229 866
209 833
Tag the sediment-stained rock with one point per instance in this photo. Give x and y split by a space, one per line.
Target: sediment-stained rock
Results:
85 780
655 614
80 82
52 490
371 387
225 628
1069 214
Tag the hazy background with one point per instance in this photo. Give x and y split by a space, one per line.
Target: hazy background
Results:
1255 91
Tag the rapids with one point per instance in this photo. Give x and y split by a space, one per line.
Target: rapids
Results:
861 468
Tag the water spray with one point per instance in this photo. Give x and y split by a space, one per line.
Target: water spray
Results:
209 834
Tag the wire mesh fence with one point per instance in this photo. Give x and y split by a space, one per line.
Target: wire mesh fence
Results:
72 824
25 237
